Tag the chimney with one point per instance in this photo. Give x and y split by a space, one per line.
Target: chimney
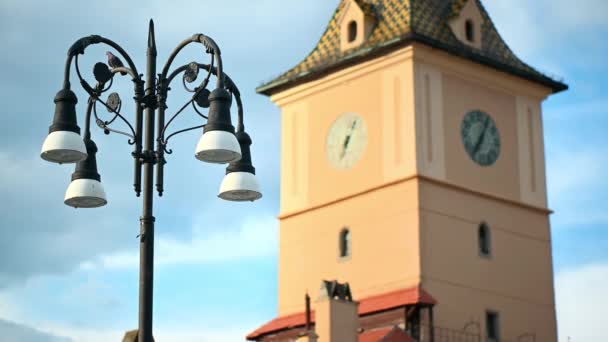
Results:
336 314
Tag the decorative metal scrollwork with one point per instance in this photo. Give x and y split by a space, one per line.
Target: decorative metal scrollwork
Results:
102 73
191 72
104 77
114 103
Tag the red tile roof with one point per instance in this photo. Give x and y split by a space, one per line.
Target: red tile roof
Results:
374 335
369 305
385 301
389 334
281 323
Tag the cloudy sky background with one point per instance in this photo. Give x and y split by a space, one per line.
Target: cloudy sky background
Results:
71 275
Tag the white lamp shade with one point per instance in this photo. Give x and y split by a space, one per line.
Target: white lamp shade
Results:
240 186
219 147
63 147
85 193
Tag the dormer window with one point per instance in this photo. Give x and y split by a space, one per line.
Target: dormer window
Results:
469 29
466 24
352 31
356 21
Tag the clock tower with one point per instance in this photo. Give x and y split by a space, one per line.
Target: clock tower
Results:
413 158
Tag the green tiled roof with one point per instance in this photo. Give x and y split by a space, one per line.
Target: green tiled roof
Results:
398 23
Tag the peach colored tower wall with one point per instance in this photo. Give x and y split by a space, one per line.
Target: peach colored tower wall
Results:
456 195
414 200
318 201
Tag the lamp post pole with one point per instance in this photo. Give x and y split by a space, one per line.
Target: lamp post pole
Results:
219 143
146 246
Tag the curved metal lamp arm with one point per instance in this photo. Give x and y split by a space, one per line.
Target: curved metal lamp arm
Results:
127 70
164 83
94 97
229 84
161 137
80 46
211 47
87 125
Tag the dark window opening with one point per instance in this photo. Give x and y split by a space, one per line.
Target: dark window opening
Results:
352 31
469 30
492 327
484 239
345 243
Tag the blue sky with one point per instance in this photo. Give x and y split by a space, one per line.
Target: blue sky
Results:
72 274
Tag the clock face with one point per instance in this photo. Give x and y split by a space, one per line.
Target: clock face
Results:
480 137
346 141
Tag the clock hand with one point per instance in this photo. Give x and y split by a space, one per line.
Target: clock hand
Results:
345 146
482 135
347 139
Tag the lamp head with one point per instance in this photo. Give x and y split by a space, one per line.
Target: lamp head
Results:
218 143
240 183
86 190
64 144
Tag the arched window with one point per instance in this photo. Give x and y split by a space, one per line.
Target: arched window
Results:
345 243
484 240
469 29
352 31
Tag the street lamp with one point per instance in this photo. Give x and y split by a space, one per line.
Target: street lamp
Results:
220 143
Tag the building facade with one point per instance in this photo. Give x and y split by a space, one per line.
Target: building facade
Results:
413 169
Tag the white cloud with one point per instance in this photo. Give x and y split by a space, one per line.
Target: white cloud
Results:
583 110
575 178
227 335
542 32
582 303
571 171
34 218
194 332
94 328
11 331
257 237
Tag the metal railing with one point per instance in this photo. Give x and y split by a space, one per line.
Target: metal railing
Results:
442 334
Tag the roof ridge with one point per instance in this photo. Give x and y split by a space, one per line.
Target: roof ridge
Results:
365 6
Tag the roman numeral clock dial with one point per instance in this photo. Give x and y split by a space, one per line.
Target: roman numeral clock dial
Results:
346 141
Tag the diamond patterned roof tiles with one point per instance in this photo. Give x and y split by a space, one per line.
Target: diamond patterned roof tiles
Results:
398 23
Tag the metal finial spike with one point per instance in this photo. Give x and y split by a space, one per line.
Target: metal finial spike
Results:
308 313
151 37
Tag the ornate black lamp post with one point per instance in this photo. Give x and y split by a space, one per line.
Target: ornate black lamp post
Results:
218 144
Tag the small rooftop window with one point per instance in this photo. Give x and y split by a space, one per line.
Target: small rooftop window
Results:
352 31
469 28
